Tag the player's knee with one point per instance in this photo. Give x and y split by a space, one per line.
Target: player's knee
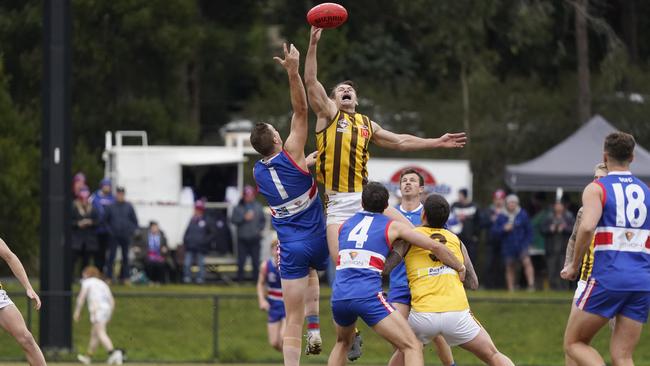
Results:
410 343
277 344
26 339
345 339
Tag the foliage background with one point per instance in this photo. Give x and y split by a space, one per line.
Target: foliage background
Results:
181 69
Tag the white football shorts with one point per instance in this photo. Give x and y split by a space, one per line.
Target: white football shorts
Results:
579 289
342 206
100 313
4 299
457 327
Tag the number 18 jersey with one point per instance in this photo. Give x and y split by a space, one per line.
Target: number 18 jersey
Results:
621 241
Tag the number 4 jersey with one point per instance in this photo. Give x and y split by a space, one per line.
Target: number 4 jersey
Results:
363 247
621 242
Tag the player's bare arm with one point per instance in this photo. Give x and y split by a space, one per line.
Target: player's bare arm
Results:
19 271
395 257
319 101
399 230
592 210
405 142
295 143
471 279
570 247
261 288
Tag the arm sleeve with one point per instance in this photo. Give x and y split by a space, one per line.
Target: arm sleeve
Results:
237 215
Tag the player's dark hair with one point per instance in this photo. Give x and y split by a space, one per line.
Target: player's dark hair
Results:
411 171
464 192
346 82
262 139
619 146
374 197
436 211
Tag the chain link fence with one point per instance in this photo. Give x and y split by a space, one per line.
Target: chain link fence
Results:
180 327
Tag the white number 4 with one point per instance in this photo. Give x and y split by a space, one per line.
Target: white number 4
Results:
635 204
359 233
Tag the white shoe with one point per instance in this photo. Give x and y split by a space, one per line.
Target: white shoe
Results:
116 357
314 343
83 359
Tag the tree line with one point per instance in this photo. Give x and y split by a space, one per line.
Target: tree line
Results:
509 72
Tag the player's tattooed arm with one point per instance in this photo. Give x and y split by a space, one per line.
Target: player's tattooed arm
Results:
570 247
471 279
395 257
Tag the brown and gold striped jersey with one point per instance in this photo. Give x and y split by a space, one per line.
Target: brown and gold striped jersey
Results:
587 263
343 152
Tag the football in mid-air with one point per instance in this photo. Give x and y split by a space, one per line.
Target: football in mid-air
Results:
327 15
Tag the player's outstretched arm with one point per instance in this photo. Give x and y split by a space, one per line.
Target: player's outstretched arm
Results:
471 279
570 247
261 288
295 143
405 142
399 230
319 101
592 210
19 271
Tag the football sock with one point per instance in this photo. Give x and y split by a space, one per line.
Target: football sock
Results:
313 323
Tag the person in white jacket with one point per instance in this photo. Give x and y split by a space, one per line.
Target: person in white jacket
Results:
100 306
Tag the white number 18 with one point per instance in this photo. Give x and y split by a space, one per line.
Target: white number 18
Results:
635 211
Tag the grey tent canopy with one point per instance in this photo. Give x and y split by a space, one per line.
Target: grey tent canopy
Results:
570 164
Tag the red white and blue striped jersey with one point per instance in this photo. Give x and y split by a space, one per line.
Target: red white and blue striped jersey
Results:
398 275
273 282
292 195
621 242
363 247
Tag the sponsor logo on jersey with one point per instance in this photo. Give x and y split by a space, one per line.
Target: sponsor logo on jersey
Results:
629 235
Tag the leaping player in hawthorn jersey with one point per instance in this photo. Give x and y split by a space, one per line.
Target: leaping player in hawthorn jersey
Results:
283 178
342 138
269 296
587 262
399 294
365 240
615 209
10 318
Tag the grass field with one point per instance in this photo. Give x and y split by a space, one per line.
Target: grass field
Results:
175 324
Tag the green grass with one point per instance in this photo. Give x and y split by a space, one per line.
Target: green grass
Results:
527 327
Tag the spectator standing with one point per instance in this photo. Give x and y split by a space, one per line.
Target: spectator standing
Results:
84 221
557 228
537 250
466 212
249 218
78 181
100 200
494 268
155 262
515 232
122 223
197 239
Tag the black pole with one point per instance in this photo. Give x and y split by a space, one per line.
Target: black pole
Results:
56 183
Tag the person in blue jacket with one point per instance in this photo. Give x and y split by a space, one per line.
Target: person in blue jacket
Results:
516 233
